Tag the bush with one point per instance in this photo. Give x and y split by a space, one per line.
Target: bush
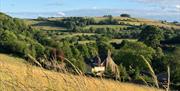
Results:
16 47
123 73
40 50
125 15
151 36
7 36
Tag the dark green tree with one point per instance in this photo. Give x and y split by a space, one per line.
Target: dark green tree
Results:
151 36
129 55
103 47
125 15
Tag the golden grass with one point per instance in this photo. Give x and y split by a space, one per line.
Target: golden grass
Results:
17 75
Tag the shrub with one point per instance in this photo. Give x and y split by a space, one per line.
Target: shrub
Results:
151 36
125 15
40 50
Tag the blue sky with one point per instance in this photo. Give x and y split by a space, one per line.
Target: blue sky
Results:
156 9
63 5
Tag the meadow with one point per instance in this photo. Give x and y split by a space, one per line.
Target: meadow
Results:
18 75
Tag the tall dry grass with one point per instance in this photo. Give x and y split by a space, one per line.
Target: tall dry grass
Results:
151 71
17 75
169 80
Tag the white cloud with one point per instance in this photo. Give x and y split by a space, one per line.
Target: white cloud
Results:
160 3
165 6
178 6
94 7
167 14
61 13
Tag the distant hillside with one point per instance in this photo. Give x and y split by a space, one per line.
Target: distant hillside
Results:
17 75
47 25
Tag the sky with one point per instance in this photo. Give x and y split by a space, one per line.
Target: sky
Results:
154 9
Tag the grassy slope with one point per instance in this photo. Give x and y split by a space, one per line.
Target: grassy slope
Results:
44 25
111 41
68 34
106 26
140 21
17 75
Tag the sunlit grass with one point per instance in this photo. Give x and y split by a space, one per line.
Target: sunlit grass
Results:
106 26
111 41
17 75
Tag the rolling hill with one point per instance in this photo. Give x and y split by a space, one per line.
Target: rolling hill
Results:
46 25
82 40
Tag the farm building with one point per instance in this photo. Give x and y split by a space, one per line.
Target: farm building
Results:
99 68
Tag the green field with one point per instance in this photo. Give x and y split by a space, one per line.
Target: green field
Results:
67 34
111 41
115 17
43 25
106 26
120 40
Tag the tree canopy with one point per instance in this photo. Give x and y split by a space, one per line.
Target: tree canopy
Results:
151 36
